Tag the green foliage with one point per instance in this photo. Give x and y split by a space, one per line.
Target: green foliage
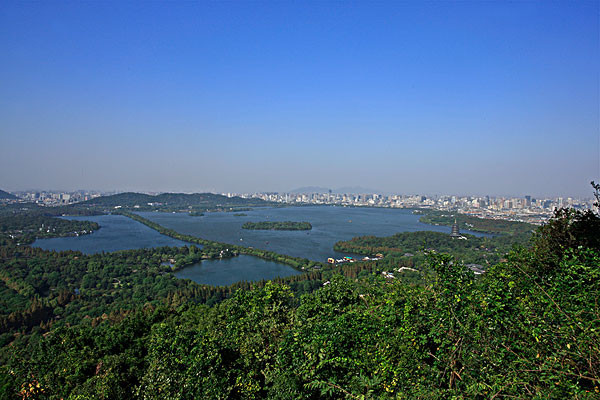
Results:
42 289
496 226
237 210
414 245
527 329
196 202
232 348
569 229
32 209
278 226
25 228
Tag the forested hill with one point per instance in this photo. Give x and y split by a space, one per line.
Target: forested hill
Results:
6 195
414 246
171 201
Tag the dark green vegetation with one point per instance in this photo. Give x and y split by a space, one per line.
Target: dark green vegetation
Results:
411 248
496 226
6 195
34 209
240 215
196 214
119 326
24 223
197 202
26 228
278 226
40 287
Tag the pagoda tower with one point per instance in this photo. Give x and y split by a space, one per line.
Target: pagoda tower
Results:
455 231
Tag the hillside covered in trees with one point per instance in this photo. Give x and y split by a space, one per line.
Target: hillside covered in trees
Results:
28 227
195 202
6 195
120 326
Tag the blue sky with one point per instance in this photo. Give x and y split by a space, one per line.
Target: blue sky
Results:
405 97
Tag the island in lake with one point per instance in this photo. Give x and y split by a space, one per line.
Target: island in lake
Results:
278 226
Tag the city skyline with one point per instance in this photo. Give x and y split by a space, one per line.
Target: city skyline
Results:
300 191
526 208
468 98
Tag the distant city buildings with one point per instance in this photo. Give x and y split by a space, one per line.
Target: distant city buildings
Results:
525 209
55 198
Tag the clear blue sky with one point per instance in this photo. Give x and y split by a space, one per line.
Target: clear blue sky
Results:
406 97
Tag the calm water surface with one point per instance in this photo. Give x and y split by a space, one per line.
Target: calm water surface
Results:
231 270
116 233
330 224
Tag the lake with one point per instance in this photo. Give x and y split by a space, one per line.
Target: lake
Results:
121 233
330 224
116 232
231 270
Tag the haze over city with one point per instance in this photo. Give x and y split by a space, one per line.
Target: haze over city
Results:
401 97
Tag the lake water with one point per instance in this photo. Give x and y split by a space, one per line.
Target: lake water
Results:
121 233
330 224
116 233
231 270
